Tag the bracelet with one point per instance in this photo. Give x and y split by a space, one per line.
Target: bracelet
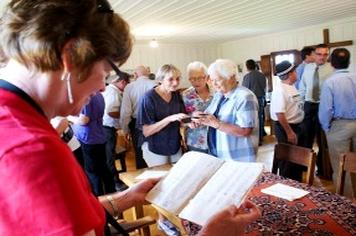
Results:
113 205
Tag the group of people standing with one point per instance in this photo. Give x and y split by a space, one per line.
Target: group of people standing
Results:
316 100
57 69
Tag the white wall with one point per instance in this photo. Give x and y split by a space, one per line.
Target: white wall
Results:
179 55
241 50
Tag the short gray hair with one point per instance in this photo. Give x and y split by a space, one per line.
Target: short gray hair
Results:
197 65
224 68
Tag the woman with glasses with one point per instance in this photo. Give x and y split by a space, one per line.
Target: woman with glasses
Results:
197 98
57 52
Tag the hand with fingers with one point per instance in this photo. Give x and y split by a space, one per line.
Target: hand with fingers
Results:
231 221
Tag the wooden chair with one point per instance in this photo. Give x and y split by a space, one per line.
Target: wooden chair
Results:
120 154
347 164
298 155
141 224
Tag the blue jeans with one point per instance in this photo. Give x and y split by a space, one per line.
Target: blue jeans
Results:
99 175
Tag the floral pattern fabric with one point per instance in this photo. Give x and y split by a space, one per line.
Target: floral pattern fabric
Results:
196 138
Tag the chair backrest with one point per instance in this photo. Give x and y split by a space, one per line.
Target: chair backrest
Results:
347 164
298 155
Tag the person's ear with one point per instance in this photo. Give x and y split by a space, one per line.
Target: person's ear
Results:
67 55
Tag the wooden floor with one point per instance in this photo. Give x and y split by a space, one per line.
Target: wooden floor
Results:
265 155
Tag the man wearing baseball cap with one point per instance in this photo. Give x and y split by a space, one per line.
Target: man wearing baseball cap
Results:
287 114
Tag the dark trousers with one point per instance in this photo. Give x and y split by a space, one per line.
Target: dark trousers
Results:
110 148
313 128
100 177
78 154
288 169
261 117
137 141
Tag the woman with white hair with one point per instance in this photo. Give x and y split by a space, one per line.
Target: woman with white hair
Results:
233 119
54 70
197 98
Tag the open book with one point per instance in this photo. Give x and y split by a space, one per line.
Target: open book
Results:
200 185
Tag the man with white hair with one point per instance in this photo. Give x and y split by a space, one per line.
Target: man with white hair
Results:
197 98
129 110
233 115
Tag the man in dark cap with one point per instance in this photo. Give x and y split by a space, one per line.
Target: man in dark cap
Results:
287 114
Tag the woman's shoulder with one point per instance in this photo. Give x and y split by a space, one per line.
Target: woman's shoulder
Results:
149 94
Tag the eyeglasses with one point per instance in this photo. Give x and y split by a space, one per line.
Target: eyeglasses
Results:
196 79
104 6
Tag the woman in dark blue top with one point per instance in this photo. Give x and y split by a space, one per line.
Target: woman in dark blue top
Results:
160 114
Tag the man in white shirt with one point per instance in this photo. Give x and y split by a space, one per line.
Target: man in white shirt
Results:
287 115
129 110
309 87
113 100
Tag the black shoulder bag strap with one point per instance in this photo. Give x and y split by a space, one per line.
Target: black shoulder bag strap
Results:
110 220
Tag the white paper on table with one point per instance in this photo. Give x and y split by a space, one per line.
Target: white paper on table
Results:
152 174
284 191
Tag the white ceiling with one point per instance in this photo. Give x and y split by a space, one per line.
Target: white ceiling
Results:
217 21
224 20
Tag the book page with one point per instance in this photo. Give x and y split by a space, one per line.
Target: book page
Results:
229 185
183 181
152 174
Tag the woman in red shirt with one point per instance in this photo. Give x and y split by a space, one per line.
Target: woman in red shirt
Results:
58 54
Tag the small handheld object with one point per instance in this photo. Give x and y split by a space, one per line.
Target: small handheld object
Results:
186 120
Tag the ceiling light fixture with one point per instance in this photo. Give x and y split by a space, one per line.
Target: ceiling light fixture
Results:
153 43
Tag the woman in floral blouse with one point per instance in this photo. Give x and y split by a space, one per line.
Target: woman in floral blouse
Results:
197 98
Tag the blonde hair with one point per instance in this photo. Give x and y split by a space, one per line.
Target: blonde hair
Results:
34 33
165 69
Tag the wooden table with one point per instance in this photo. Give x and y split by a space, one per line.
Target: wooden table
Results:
318 213
129 178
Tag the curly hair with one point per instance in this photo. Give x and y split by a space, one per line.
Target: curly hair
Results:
34 33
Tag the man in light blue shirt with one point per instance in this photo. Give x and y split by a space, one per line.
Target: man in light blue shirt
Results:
307 55
309 88
337 113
